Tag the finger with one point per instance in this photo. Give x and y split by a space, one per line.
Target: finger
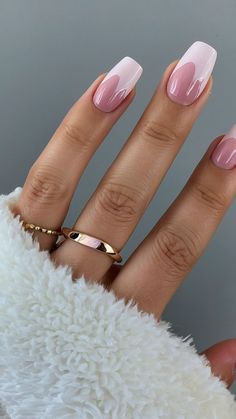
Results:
52 180
159 265
110 275
222 358
124 193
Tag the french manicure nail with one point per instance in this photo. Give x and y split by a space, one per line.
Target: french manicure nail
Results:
117 84
224 155
191 73
234 372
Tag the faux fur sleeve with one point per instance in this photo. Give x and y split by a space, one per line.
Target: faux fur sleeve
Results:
71 350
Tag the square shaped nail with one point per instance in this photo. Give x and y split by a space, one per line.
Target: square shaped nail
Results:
117 84
191 73
224 155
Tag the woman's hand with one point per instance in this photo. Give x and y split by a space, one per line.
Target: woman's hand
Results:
161 262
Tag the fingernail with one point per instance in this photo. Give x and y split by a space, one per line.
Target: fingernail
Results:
117 84
224 155
234 372
192 73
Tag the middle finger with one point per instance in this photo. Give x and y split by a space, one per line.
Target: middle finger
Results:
125 191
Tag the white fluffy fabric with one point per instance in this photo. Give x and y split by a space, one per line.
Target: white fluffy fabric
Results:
72 350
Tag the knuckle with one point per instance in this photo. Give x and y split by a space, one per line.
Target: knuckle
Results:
158 134
75 135
44 187
217 201
175 249
117 202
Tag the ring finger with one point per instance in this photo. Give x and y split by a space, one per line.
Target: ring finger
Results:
130 183
51 181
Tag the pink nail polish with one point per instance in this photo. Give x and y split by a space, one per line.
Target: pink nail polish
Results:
234 372
117 84
191 73
224 155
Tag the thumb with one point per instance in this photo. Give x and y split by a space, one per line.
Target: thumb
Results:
222 357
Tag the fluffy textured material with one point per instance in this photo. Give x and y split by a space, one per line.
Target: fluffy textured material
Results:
72 350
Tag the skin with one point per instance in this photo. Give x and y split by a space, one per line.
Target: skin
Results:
162 261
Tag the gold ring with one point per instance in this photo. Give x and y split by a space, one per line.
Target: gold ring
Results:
31 226
93 242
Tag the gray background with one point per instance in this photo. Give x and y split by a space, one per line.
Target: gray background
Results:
52 50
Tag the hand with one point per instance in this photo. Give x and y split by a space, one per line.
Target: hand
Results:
161 262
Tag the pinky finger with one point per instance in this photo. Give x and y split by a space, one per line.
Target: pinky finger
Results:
222 358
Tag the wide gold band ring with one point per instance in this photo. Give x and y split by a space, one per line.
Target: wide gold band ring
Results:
93 242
